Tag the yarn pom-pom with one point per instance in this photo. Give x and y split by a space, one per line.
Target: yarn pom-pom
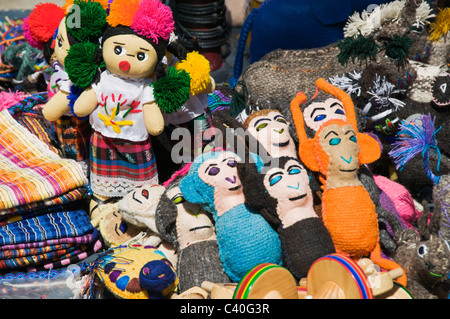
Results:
153 20
92 16
398 48
69 3
82 63
28 37
44 20
199 70
172 91
122 12
441 26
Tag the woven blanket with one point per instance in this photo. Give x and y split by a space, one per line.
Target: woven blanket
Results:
29 170
45 227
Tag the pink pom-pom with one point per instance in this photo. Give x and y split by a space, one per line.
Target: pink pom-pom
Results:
29 38
153 20
8 99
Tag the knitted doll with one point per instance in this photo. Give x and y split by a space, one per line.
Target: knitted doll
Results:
191 230
304 238
73 133
271 129
324 106
122 101
336 152
244 237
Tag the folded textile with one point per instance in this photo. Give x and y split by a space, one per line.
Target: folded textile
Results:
29 170
46 227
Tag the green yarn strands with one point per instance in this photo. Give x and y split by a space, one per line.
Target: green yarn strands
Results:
360 47
81 63
172 91
86 21
398 48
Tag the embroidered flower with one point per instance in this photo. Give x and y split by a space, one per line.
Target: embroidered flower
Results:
109 121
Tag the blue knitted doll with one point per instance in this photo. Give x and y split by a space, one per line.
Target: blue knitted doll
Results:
244 237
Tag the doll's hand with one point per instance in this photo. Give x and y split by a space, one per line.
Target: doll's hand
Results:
56 107
153 118
85 103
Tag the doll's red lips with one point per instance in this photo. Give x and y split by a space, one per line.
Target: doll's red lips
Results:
124 65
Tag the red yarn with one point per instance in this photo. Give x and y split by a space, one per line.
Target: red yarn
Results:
44 21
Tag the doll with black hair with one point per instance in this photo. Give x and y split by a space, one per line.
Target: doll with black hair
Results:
190 229
119 95
67 26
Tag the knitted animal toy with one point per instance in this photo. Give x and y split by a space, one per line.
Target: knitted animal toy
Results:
441 199
325 105
122 102
336 152
425 256
191 230
135 271
304 238
244 237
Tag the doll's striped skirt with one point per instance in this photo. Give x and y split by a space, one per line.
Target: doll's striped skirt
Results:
118 166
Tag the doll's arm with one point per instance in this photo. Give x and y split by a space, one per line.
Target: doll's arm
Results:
56 107
85 103
153 118
211 86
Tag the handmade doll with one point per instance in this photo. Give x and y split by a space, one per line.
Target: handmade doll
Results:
244 237
304 238
425 256
191 230
336 152
271 129
122 102
83 24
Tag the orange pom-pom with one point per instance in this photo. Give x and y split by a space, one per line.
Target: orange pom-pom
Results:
44 20
122 12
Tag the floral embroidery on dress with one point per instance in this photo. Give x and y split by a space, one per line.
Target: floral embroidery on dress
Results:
109 119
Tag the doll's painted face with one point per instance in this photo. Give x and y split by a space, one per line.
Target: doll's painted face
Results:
289 183
62 45
341 145
221 173
194 224
272 131
316 113
129 55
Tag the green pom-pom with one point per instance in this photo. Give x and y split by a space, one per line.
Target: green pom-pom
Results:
81 63
359 47
398 48
172 91
86 21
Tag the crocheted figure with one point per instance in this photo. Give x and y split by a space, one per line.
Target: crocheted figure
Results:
244 237
336 152
191 230
271 129
304 237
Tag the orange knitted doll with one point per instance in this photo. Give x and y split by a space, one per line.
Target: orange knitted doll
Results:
336 152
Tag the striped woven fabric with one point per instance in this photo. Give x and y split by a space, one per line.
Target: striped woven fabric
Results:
23 252
73 135
29 170
45 227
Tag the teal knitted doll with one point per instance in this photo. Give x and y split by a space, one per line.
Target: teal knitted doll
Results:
244 237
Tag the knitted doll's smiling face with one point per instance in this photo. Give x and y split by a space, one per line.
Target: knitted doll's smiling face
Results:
289 183
62 45
339 142
317 113
129 55
272 131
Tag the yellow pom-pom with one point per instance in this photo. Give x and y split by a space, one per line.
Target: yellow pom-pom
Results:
122 12
198 68
441 25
